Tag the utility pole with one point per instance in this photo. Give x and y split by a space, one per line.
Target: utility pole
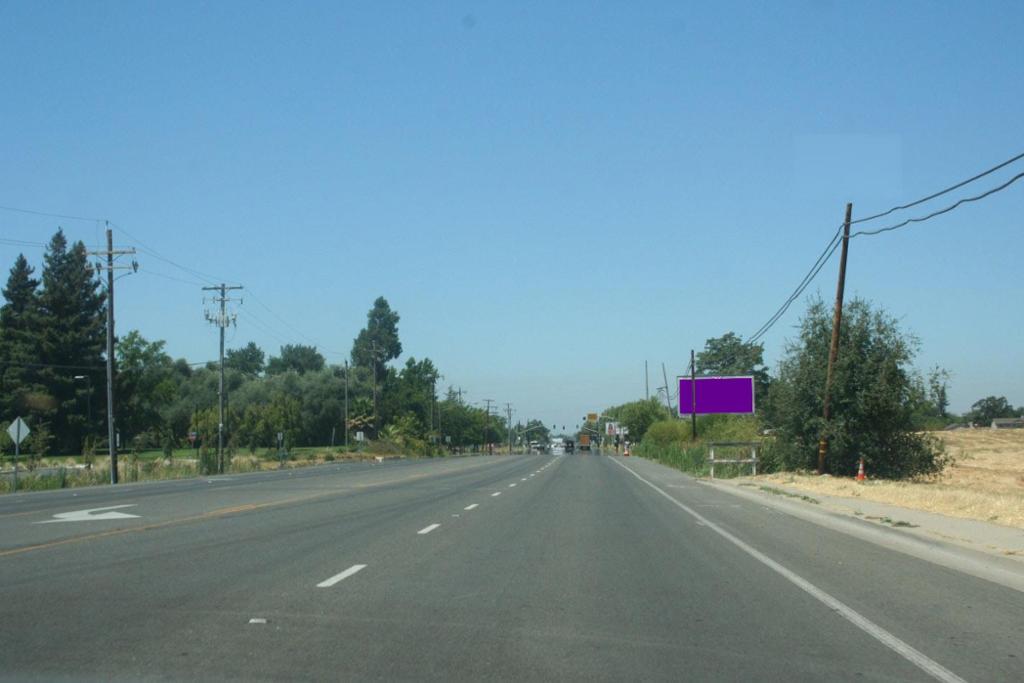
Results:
668 396
373 347
110 253
487 425
647 382
221 320
346 405
693 396
833 351
508 411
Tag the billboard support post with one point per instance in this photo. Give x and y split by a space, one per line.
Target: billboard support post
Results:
693 398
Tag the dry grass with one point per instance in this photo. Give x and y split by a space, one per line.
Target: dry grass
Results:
985 482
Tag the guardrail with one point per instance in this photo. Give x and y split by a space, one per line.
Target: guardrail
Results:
752 460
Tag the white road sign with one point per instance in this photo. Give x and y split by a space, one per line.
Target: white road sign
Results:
18 430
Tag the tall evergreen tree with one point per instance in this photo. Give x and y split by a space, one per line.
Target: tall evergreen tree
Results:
378 342
18 349
71 338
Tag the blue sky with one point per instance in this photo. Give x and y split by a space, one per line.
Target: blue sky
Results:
548 193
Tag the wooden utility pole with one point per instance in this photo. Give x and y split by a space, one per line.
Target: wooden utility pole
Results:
487 425
693 396
109 266
221 320
833 352
346 405
668 396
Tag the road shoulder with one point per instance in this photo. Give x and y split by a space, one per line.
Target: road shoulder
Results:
987 551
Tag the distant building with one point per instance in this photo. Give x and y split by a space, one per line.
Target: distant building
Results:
1008 423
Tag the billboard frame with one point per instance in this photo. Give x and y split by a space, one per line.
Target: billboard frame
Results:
753 393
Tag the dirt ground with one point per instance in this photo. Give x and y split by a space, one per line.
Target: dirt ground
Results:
985 482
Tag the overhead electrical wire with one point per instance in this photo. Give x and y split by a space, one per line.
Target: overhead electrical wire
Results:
949 189
50 215
836 240
949 208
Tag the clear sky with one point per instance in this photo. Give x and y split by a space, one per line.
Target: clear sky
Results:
549 193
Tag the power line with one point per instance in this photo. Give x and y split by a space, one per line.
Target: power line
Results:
194 283
949 208
210 279
292 327
940 192
21 243
52 215
822 259
835 242
18 364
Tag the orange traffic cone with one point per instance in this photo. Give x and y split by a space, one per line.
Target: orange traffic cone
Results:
860 470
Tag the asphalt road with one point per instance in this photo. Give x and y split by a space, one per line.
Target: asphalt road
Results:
486 568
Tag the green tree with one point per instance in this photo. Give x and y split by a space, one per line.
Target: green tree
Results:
378 342
989 408
296 357
638 416
248 360
873 396
729 355
145 386
19 351
411 392
71 337
938 384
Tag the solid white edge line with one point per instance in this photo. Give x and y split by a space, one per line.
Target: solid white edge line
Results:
427 529
470 507
340 577
915 657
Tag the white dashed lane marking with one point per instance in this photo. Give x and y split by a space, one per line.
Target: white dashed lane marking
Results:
496 493
341 577
427 529
470 507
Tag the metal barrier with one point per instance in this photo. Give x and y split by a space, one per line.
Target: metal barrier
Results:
752 460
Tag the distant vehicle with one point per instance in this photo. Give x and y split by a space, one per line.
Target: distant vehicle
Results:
584 442
570 445
557 449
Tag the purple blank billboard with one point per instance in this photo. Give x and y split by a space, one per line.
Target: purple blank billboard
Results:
734 395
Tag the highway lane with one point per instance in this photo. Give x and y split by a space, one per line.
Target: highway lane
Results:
527 567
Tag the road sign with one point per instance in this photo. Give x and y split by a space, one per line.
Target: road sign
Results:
591 417
717 395
18 430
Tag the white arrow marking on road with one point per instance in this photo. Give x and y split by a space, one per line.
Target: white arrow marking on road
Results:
88 516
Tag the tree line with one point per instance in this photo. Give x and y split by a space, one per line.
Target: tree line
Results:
52 373
882 408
